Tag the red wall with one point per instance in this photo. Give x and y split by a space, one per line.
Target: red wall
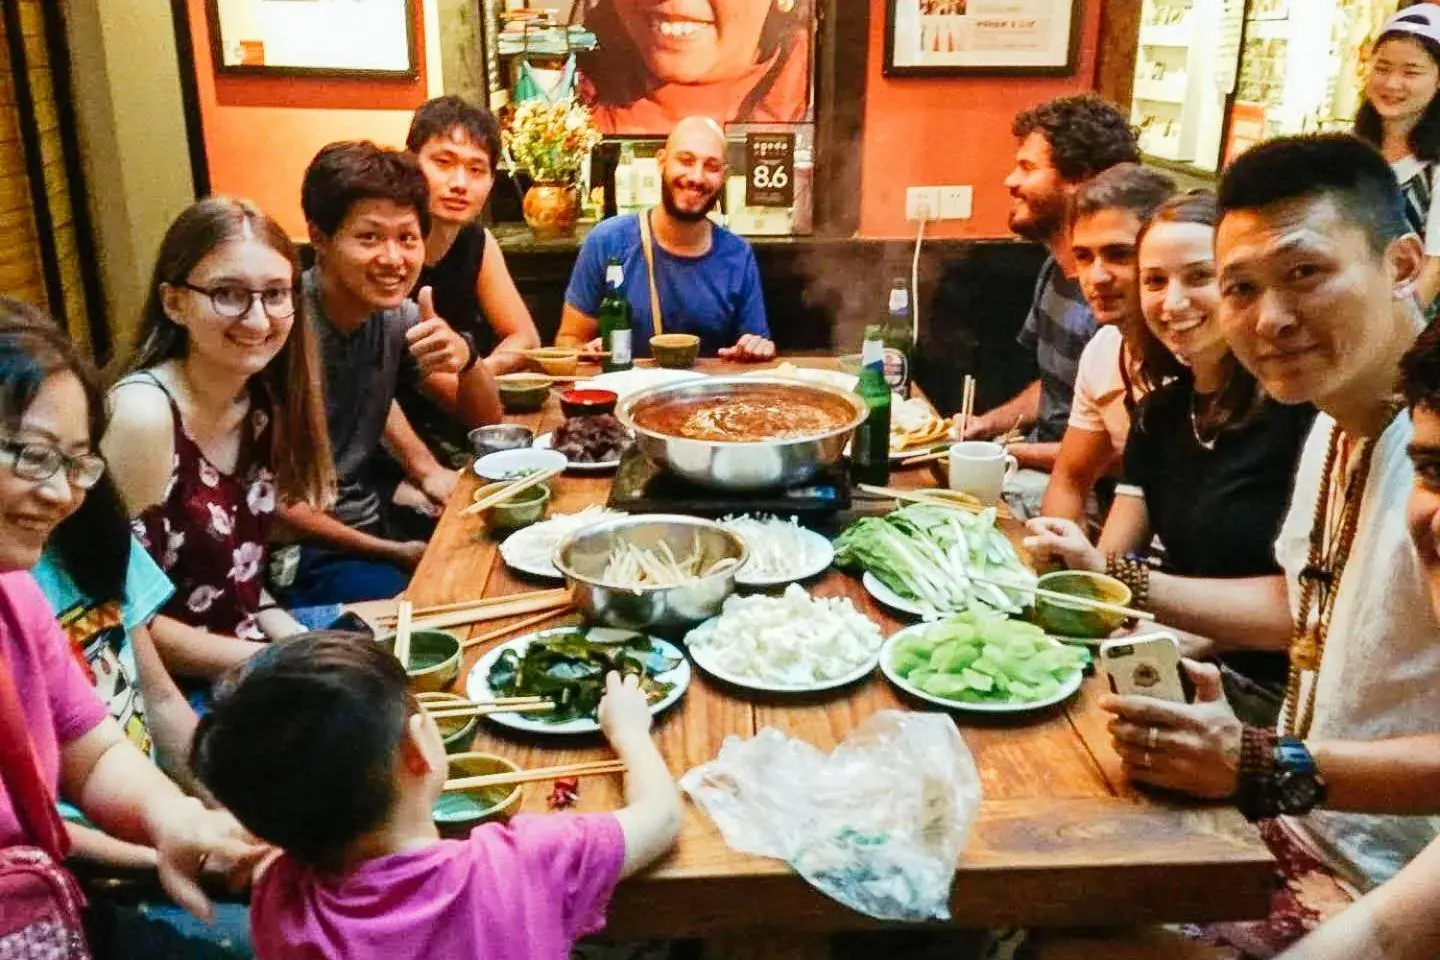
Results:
949 131
261 132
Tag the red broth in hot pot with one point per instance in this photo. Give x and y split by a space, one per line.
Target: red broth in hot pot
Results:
747 414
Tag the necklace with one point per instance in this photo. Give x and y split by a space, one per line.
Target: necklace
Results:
1195 426
1332 533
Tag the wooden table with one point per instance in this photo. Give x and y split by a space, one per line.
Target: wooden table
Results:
1061 839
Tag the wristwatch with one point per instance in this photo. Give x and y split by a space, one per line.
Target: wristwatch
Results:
474 352
1296 784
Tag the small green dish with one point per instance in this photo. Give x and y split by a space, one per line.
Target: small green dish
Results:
434 659
523 392
1057 617
677 351
526 507
456 813
457 733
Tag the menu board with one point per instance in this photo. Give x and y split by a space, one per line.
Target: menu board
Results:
981 36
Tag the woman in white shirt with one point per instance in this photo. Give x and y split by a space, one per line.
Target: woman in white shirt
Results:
1401 117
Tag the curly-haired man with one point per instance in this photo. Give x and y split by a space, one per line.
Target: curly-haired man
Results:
1062 144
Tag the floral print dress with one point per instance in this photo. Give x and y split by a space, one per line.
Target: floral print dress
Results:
209 531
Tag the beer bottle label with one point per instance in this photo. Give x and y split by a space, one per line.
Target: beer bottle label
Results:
896 367
620 349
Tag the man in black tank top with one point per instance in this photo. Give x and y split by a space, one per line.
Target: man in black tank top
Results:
458 145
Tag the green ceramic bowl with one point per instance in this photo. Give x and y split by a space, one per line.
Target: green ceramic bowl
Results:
523 392
434 659
521 510
678 351
1066 620
456 733
457 813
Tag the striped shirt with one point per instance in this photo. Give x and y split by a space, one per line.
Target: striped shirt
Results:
1417 184
1057 328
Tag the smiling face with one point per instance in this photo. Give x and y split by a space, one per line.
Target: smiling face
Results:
1305 302
31 510
1403 79
1038 194
1103 244
459 174
692 170
245 345
695 41
1179 289
376 254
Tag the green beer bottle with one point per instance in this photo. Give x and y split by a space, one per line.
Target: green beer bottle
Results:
899 339
616 331
870 447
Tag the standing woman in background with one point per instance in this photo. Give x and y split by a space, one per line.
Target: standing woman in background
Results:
1401 117
218 419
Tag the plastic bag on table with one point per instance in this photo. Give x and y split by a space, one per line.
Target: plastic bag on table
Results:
878 824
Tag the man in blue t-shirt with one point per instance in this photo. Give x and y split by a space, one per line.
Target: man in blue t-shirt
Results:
705 276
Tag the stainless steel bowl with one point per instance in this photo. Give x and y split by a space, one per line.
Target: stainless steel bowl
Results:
736 465
500 436
583 555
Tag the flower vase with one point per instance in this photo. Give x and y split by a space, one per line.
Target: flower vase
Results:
551 210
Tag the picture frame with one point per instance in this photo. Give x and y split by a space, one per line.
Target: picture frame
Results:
930 38
330 38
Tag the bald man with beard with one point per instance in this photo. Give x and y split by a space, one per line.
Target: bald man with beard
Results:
704 276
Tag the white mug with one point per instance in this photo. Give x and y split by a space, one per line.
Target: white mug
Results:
981 469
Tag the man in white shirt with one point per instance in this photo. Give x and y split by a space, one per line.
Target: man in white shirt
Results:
1317 274
1107 215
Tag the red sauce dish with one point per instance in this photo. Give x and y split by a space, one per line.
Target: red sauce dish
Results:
588 403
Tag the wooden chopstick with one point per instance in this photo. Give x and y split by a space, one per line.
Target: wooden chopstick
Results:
511 628
480 710
926 458
967 405
518 486
1069 598
402 633
448 702
530 776
480 604
932 499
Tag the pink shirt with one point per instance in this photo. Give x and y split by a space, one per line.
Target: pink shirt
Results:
56 698
526 890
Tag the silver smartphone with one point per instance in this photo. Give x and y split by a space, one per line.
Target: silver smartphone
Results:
1145 666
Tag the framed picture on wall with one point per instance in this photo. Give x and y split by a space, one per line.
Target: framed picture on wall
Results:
978 37
325 37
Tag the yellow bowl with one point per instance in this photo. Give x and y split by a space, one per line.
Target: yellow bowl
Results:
554 361
677 351
458 812
455 732
434 659
1073 620
526 507
523 392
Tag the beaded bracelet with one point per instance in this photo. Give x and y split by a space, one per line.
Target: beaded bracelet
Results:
1135 574
1254 790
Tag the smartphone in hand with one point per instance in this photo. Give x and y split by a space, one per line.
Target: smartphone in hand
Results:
352 623
1146 666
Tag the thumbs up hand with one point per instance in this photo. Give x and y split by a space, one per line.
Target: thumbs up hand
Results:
434 344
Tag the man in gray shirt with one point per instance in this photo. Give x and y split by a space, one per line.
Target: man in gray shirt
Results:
368 213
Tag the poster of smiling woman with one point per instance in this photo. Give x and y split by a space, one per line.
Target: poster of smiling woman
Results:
937 37
657 61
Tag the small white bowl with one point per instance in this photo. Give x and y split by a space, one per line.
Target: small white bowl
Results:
511 464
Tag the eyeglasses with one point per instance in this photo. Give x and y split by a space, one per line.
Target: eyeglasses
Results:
233 301
39 462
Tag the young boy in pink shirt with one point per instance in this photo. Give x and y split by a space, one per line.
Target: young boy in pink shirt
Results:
319 748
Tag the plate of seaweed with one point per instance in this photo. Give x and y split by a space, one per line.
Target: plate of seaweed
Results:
568 665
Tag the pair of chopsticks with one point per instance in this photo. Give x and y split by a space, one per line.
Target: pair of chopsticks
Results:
493 608
404 611
967 405
935 498
1068 599
510 628
519 486
930 457
593 769
453 709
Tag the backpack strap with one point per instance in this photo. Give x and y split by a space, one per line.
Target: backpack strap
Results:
647 242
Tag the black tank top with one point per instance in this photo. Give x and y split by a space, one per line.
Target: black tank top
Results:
452 278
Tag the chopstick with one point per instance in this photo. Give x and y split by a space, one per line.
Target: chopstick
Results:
432 702
402 633
511 628
481 710
542 773
926 458
1068 598
967 405
932 498
519 486
481 604
498 611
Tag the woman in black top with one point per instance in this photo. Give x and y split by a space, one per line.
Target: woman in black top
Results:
1210 459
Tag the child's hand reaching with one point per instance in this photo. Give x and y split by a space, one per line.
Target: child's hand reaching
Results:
624 713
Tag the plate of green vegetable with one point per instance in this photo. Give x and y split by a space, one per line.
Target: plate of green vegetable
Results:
983 662
568 665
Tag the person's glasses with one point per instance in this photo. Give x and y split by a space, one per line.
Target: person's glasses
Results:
39 462
233 301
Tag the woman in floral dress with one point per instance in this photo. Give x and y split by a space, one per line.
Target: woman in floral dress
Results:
219 416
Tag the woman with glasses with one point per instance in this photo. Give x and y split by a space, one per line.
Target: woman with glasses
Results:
56 734
218 418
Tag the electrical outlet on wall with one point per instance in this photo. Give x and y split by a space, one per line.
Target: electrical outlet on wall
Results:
920 200
956 202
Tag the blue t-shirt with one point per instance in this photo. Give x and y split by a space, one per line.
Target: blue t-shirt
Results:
716 296
99 631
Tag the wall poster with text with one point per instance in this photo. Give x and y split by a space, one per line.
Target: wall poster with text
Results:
956 37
